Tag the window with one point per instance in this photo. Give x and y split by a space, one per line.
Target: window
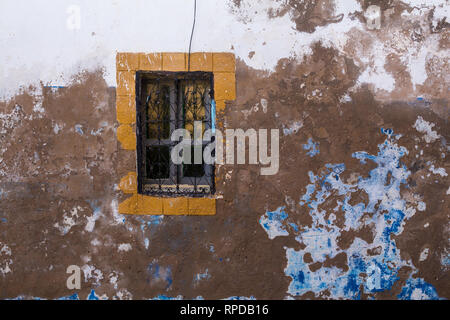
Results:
166 101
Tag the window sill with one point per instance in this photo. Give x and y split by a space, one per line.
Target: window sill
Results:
148 205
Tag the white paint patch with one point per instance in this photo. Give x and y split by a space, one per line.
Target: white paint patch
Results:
91 220
439 171
417 66
272 223
118 218
11 120
124 247
5 259
228 175
421 206
441 12
448 191
57 128
202 276
424 254
345 98
38 107
439 4
289 201
426 128
69 220
105 27
253 109
264 105
113 278
415 56
91 272
123 294
292 128
90 223
418 294
375 73
96 242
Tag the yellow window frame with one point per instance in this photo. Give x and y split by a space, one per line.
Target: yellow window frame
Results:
223 67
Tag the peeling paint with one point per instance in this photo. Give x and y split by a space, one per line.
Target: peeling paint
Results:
384 213
272 223
312 147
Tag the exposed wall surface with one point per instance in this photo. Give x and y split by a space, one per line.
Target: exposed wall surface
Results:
358 210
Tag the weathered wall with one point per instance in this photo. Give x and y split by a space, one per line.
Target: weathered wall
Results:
362 191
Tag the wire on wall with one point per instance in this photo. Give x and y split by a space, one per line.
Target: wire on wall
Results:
192 33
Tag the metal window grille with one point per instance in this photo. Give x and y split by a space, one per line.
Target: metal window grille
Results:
166 101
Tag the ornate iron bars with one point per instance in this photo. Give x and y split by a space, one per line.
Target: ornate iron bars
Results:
166 101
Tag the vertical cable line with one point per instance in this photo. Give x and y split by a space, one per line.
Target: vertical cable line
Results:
192 33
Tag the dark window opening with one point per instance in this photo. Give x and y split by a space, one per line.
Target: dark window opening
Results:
166 101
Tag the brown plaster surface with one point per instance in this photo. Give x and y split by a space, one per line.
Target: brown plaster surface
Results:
52 173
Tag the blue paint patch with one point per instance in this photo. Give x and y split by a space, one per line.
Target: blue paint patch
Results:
24 298
418 289
202 276
272 223
94 206
163 297
385 212
97 212
72 297
240 298
294 226
159 273
150 221
93 296
387 132
79 129
313 148
445 260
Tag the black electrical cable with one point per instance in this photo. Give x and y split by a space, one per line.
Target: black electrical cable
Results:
192 33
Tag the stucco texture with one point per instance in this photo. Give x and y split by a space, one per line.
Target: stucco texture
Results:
359 208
